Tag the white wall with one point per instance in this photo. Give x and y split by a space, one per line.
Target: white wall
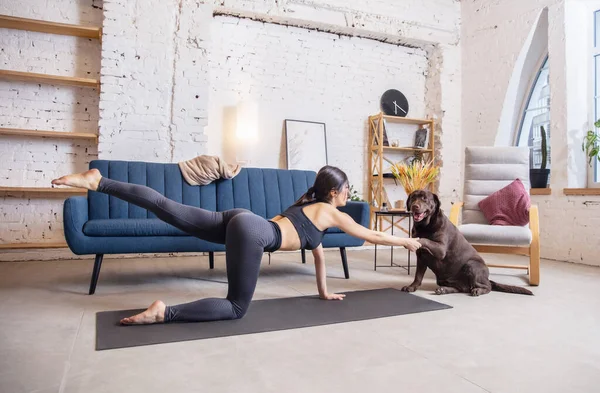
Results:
154 80
167 81
493 34
313 76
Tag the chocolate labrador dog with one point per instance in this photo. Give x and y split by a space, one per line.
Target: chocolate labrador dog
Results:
456 264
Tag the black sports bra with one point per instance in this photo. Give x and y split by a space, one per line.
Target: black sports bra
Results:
310 235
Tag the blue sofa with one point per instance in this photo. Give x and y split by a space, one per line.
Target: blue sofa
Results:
100 224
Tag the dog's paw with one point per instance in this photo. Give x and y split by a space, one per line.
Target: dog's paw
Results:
440 291
409 289
476 291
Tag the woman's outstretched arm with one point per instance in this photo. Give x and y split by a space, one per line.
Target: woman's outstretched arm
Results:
351 227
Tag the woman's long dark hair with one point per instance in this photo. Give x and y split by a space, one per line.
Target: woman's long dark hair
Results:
328 178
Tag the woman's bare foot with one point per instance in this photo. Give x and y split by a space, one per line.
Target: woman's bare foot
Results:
88 180
154 314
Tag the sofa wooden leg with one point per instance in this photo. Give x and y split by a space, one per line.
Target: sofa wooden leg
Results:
344 262
303 252
211 260
96 273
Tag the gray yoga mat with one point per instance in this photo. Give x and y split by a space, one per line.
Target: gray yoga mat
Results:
263 316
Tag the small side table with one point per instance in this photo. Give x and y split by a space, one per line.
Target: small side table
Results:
379 220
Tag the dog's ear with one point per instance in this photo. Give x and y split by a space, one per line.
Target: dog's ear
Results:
409 201
437 203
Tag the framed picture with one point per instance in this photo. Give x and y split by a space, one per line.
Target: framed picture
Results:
385 137
306 143
421 138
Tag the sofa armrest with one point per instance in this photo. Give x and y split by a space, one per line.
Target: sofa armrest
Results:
75 215
455 212
359 211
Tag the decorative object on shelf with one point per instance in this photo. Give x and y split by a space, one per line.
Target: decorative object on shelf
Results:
539 177
306 143
384 207
590 144
395 143
416 157
385 138
394 103
399 205
421 138
353 195
416 176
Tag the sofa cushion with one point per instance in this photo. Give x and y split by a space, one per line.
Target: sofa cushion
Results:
130 227
507 206
496 235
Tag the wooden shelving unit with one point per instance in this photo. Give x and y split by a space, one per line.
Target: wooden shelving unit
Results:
43 190
42 26
49 134
50 79
20 246
377 153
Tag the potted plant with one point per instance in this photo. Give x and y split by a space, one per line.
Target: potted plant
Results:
590 144
417 175
539 177
353 195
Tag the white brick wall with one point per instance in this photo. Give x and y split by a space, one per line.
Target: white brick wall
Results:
159 90
33 162
294 73
436 30
493 34
154 80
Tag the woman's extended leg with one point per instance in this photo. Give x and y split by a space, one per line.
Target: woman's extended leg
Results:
205 224
245 234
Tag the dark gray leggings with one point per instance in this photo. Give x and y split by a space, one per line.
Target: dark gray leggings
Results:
244 234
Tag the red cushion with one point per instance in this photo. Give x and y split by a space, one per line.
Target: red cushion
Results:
507 206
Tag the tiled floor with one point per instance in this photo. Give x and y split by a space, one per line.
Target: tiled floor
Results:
495 343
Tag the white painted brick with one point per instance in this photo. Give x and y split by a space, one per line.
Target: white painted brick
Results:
155 61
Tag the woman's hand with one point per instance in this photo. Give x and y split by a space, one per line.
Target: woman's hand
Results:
412 244
333 296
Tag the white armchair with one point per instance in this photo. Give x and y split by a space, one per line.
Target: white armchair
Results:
488 169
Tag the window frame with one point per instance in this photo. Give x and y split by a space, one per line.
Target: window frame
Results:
593 175
542 66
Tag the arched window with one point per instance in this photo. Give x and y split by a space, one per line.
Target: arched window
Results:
596 89
535 116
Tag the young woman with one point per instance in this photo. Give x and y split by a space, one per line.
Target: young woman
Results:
246 236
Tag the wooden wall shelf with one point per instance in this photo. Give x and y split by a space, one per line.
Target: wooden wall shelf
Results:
404 120
409 149
42 26
49 134
541 191
20 246
582 191
50 79
43 190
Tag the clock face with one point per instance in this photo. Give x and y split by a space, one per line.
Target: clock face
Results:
393 103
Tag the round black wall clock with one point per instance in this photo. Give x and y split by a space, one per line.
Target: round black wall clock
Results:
394 103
